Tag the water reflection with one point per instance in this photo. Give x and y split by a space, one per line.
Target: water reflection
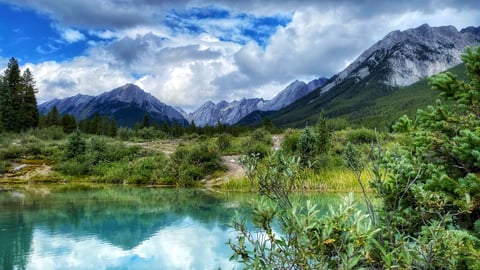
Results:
118 228
189 245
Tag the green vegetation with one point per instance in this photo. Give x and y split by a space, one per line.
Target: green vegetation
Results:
424 212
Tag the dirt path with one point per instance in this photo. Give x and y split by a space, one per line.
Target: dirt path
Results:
234 170
166 146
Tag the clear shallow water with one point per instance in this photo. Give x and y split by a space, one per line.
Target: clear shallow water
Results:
121 228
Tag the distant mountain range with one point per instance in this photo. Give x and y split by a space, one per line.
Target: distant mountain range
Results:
231 112
398 60
127 104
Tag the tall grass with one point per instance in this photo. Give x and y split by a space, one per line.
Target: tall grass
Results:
330 180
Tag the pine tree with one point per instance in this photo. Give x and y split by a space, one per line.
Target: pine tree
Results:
69 124
2 98
146 121
29 111
112 130
53 118
11 97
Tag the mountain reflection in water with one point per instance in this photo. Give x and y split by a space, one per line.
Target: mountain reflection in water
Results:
118 228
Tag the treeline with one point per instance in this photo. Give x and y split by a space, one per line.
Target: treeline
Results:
18 104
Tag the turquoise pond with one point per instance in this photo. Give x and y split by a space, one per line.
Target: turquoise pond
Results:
122 228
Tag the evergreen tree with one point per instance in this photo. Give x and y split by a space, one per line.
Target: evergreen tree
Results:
268 124
11 97
95 124
112 130
30 110
192 128
146 121
69 124
323 134
2 98
53 118
165 128
438 175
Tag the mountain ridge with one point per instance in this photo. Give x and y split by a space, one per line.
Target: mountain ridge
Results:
231 112
127 104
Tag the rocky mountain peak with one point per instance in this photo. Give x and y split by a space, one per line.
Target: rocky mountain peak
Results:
127 104
411 55
232 112
128 93
472 30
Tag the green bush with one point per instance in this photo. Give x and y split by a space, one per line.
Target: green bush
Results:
125 134
307 240
49 133
150 133
189 164
259 148
35 149
361 135
261 135
12 151
76 146
290 141
74 167
307 146
3 166
224 141
113 172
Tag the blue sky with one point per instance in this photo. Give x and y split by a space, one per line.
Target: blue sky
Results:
186 52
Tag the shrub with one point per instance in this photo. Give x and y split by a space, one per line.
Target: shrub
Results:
49 133
12 151
307 240
224 141
290 141
259 148
143 171
150 133
261 135
114 172
34 149
76 145
307 146
74 167
3 166
125 134
361 135
191 163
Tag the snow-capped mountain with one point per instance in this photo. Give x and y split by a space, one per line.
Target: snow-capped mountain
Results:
411 55
231 112
127 104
